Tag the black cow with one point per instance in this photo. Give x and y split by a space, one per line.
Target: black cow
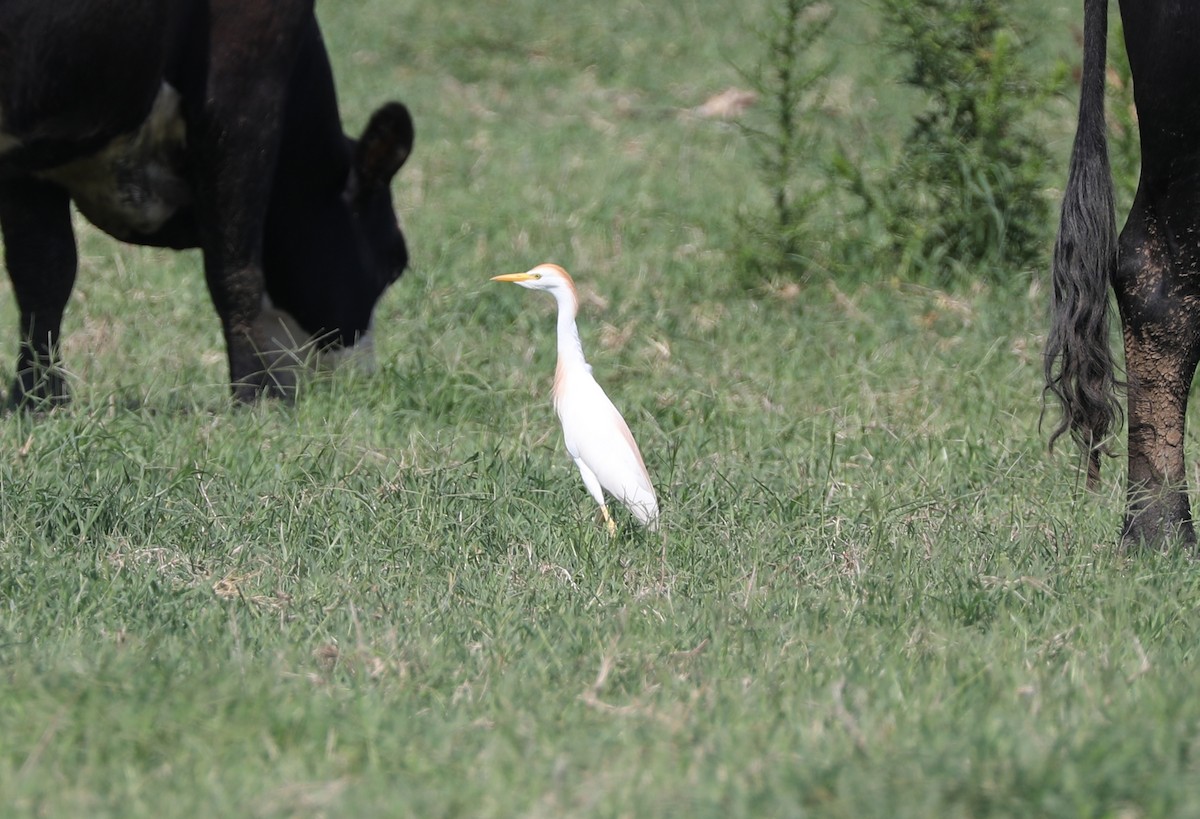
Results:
194 123
1154 267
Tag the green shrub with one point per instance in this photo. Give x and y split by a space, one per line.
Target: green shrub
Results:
789 82
967 194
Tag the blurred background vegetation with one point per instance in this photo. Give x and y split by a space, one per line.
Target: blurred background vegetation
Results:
960 188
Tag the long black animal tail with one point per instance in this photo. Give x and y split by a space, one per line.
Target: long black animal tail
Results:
1080 369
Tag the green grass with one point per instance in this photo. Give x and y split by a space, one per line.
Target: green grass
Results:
875 593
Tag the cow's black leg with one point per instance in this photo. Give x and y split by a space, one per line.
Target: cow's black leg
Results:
39 250
253 50
1160 312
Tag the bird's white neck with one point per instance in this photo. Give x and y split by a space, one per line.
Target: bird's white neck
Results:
570 348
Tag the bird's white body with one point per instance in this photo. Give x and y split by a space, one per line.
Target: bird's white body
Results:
597 437
599 441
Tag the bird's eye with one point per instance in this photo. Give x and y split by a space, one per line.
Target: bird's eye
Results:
537 275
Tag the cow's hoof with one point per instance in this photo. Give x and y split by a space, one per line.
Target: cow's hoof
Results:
1148 533
278 383
38 393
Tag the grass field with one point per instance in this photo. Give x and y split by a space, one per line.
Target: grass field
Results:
875 593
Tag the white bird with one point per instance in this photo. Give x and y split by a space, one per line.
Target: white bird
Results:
596 435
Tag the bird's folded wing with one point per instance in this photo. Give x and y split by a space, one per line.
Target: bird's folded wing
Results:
596 433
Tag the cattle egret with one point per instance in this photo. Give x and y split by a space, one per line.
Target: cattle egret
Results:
596 435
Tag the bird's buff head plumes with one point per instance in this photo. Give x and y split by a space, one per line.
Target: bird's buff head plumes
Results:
548 277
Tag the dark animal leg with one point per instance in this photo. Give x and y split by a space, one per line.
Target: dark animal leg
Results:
40 255
253 49
1161 321
1159 378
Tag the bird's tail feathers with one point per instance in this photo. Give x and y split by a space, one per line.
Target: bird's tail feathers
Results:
645 509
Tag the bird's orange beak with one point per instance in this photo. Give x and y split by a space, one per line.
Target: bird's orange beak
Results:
513 277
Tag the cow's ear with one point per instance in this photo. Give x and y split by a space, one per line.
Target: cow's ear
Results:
385 144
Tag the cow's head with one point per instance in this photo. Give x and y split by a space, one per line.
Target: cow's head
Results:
333 244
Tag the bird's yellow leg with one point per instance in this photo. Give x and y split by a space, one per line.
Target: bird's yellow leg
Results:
609 523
